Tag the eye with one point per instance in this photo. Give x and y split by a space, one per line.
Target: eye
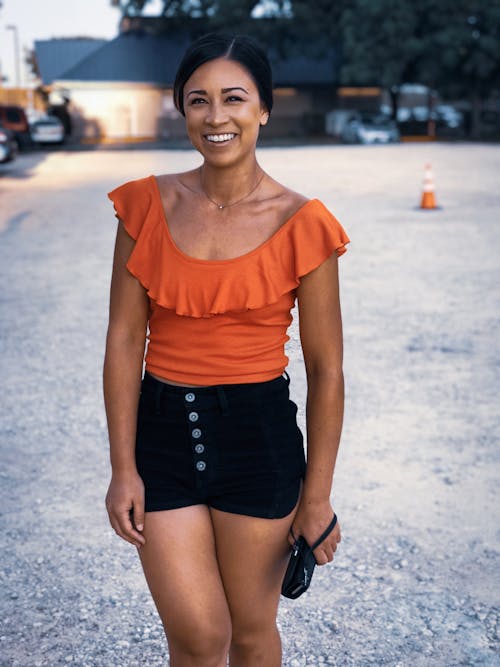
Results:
234 98
197 100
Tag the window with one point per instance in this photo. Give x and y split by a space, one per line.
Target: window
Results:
13 116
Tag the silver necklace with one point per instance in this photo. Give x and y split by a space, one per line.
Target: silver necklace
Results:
222 206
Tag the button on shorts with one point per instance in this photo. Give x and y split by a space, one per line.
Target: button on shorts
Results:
235 447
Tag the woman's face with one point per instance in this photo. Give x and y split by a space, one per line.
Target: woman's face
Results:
223 111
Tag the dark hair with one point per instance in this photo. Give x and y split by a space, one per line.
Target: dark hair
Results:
239 48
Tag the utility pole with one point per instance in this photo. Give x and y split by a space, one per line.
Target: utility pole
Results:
16 53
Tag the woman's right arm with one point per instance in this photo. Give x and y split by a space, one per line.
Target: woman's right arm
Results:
122 374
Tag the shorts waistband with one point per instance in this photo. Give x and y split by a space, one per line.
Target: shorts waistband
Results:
174 389
219 394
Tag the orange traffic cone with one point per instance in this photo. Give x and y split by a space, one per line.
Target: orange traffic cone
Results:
428 199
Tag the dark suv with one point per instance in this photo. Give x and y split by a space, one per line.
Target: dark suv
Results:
13 118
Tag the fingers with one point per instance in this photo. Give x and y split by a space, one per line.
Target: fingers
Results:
124 528
125 506
325 552
138 514
126 521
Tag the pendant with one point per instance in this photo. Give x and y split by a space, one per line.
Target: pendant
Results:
221 206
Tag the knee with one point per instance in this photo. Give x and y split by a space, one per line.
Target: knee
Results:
203 646
253 638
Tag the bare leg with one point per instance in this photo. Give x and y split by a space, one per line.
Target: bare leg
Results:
252 555
182 572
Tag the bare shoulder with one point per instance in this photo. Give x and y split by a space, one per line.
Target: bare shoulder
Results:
285 201
172 186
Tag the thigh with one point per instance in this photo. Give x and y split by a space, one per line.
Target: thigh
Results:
253 555
180 564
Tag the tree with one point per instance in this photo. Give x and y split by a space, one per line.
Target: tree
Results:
196 17
462 54
129 7
193 8
32 62
450 45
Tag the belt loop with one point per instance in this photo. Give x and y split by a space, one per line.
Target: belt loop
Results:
158 391
287 377
222 398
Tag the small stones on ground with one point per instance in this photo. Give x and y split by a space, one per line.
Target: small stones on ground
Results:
403 590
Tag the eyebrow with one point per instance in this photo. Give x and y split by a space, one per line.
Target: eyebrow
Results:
223 91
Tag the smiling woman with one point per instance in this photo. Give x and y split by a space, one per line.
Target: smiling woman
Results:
221 116
210 479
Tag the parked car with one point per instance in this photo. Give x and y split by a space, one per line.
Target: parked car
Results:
14 118
449 116
336 119
365 128
47 130
8 145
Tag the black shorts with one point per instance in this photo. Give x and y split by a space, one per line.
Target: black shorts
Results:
234 447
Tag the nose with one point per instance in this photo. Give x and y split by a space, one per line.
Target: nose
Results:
216 114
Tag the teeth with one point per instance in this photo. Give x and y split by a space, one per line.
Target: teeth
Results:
220 137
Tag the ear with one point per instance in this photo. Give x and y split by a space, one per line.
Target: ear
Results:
264 117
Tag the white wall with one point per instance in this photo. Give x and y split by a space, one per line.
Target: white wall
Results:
115 112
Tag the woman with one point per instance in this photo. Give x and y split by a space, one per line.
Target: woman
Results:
209 479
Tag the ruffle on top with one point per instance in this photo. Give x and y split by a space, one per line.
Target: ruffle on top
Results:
204 288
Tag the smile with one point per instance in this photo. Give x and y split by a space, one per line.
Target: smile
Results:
218 138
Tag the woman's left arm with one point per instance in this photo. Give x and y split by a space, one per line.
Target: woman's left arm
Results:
321 338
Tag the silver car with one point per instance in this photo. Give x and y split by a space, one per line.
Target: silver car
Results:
47 130
369 129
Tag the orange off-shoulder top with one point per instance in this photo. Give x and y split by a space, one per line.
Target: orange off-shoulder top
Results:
220 321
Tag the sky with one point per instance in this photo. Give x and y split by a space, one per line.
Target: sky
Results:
43 19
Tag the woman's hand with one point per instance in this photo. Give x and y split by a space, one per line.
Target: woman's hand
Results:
311 520
125 505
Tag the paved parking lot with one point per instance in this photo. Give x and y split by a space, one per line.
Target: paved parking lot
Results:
415 582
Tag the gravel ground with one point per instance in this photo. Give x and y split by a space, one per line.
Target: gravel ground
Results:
416 484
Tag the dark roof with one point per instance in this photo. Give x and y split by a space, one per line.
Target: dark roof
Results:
146 58
133 57
302 70
55 56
